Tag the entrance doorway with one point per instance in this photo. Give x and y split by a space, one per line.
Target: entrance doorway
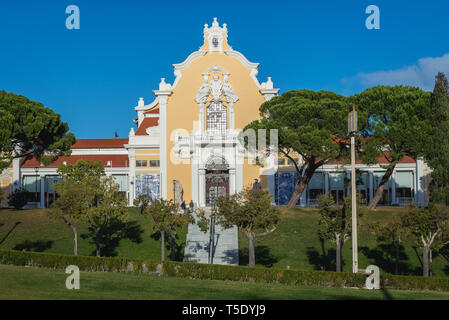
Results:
217 184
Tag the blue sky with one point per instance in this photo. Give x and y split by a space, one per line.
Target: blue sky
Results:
94 76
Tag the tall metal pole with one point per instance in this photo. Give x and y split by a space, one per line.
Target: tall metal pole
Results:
212 224
355 263
352 129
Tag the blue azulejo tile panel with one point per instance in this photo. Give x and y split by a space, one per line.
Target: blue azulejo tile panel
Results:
148 183
285 185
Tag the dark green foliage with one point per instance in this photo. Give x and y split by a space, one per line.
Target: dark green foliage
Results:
442 77
438 152
399 125
18 199
84 263
264 275
307 124
30 129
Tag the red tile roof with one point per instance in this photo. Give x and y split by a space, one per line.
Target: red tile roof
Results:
381 160
147 123
99 143
118 160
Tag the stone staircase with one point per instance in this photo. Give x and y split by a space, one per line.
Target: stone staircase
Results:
225 247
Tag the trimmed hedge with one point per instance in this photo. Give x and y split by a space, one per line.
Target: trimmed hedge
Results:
389 281
85 263
265 275
219 272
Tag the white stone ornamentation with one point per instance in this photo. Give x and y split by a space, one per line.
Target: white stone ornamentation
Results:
215 36
163 86
216 90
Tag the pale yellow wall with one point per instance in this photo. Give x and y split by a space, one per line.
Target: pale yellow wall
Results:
5 186
147 151
182 110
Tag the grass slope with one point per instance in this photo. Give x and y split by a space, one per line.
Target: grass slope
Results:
39 283
296 244
34 230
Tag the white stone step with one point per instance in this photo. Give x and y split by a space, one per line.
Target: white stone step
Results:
225 245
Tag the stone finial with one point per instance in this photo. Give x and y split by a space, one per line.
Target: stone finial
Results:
131 132
163 86
268 84
141 102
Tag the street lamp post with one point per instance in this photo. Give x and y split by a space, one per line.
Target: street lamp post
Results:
36 170
212 234
212 221
352 129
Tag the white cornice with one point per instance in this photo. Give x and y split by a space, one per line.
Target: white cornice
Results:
250 65
242 58
148 106
190 58
181 66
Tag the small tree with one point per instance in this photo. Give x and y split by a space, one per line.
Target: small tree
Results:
253 214
70 206
336 224
393 233
142 202
166 219
429 228
110 207
18 199
77 191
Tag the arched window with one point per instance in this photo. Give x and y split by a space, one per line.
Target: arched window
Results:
216 118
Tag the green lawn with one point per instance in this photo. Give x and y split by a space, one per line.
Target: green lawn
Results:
40 283
34 230
295 243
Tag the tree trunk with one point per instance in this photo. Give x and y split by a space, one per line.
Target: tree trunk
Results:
338 256
425 261
396 265
378 195
75 235
162 245
301 184
75 240
97 243
251 252
173 246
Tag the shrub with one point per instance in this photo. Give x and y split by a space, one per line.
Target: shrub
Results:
220 272
264 275
18 199
85 263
